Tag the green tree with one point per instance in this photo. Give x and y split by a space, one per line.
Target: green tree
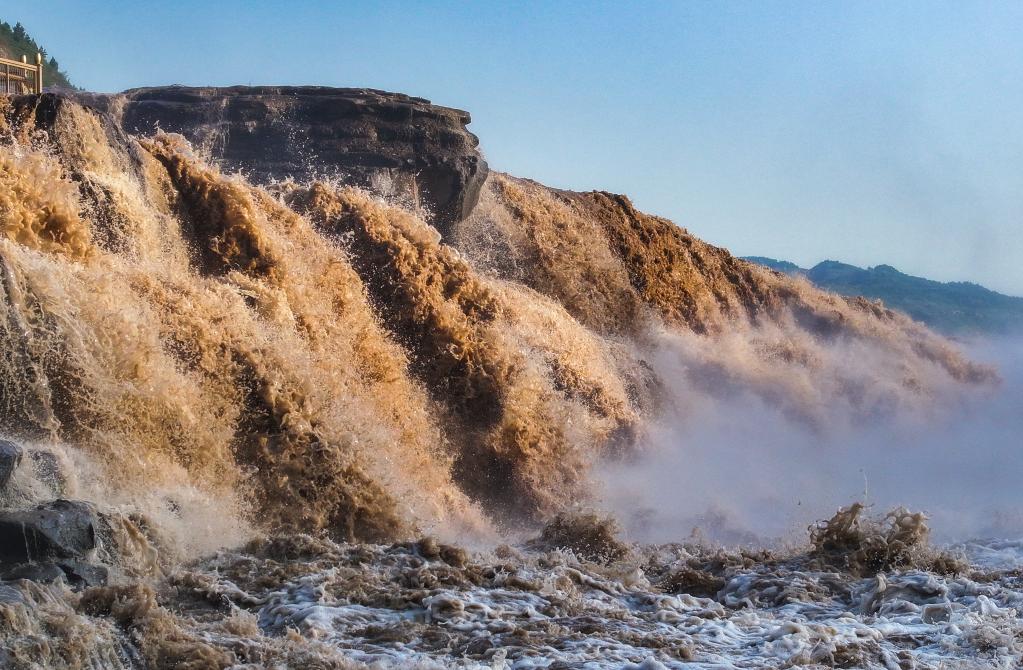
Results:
16 42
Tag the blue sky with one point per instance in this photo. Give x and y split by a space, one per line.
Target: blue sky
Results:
870 132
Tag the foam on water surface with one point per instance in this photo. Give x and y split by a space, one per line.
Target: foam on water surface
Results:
399 606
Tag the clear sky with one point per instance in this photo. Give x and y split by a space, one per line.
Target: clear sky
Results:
869 132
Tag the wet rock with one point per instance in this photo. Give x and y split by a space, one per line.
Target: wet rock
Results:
81 574
389 142
78 574
51 542
10 459
45 572
58 529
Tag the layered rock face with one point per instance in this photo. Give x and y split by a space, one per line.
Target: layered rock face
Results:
392 143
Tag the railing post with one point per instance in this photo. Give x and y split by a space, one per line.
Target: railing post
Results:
21 77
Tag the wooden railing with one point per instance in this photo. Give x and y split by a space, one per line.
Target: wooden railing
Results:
21 77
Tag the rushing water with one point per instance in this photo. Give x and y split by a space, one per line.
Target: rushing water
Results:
268 393
295 602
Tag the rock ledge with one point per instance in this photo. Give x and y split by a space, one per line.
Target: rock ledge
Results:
385 141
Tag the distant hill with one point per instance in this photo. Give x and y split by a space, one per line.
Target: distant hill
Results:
15 42
954 308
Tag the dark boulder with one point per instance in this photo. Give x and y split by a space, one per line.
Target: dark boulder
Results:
51 542
80 574
61 529
383 141
10 458
77 574
45 572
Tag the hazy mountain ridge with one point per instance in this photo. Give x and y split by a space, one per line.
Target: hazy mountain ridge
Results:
955 308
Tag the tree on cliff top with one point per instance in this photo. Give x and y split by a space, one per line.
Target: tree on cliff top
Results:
16 42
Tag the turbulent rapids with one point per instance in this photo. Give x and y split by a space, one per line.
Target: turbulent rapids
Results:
270 395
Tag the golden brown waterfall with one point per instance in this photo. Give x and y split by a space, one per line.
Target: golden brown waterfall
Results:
315 358
284 414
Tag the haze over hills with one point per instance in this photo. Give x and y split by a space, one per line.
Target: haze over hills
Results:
954 308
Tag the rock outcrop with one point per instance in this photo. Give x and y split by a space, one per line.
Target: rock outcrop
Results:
10 458
388 142
59 529
393 144
55 540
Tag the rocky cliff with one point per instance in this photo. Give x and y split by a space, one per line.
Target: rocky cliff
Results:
392 143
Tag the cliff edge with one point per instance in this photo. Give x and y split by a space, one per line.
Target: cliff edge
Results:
391 143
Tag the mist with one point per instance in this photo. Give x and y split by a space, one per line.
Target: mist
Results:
737 462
